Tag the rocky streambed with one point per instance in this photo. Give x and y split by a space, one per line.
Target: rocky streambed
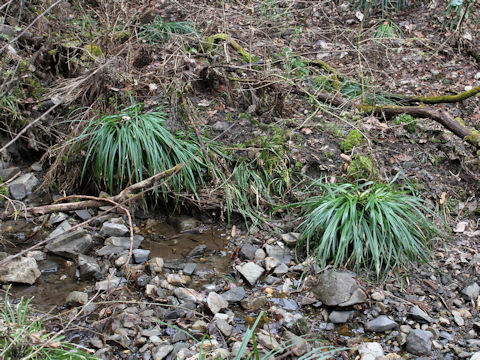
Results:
183 285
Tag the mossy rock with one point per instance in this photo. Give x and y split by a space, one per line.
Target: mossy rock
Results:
353 139
362 168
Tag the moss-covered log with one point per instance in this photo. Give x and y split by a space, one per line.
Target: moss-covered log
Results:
441 98
213 39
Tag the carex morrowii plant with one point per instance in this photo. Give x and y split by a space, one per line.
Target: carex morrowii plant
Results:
372 226
131 145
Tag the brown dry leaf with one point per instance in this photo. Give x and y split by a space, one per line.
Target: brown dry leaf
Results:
443 198
35 338
346 158
306 131
461 226
54 345
404 157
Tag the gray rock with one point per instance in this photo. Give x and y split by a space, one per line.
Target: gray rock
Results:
260 255
156 265
475 356
298 345
110 284
224 327
108 250
162 351
198 250
283 255
471 292
140 255
338 288
340 317
62 228
251 272
183 223
267 341
419 342
189 268
71 244
77 298
378 296
83 214
281 269
254 302
8 173
20 270
419 315
17 191
380 324
178 279
235 294
291 238
57 218
248 251
216 303
88 267
22 186
113 229
271 263
370 351
124 241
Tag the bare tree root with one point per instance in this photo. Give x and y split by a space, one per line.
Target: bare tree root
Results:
440 116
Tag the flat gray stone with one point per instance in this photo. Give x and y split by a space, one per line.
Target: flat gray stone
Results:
338 288
20 270
234 295
83 214
28 180
251 272
113 229
370 351
419 315
340 317
124 241
108 250
419 342
381 324
162 351
77 298
60 229
140 255
283 255
8 173
185 294
88 267
247 251
189 268
216 303
110 284
471 292
17 191
71 244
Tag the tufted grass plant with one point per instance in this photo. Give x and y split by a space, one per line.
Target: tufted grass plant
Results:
371 226
131 145
23 336
160 30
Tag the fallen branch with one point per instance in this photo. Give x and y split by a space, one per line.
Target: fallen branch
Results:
120 198
440 116
436 99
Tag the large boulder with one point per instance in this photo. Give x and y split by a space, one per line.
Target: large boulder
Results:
20 270
337 288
